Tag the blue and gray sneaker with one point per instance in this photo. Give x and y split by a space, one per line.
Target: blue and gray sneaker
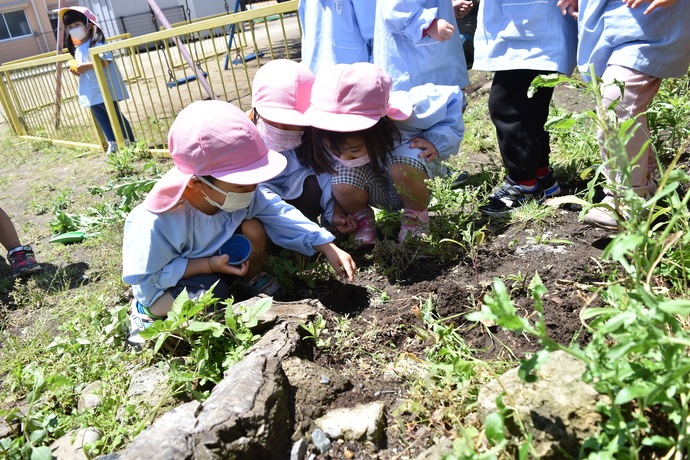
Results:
459 177
509 197
550 185
138 321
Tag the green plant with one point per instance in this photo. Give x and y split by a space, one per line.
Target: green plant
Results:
315 331
35 425
211 346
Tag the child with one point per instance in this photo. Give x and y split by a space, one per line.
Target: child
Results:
84 33
376 162
336 32
520 41
278 106
172 239
638 48
416 43
21 258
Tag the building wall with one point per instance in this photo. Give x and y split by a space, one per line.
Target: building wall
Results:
42 39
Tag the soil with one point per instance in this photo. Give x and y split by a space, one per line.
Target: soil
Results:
385 310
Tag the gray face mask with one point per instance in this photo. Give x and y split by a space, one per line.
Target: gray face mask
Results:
234 201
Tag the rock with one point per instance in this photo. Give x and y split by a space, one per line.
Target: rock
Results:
321 441
299 450
441 448
148 389
301 311
558 409
310 392
89 400
246 416
363 423
71 445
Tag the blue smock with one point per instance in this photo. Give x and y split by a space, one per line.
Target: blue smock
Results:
437 117
336 32
524 35
289 184
89 91
611 33
157 246
409 57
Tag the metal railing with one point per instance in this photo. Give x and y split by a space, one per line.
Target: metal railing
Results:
226 52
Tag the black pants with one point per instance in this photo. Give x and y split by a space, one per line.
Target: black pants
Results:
519 122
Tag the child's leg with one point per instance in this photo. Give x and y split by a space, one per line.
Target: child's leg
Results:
196 286
125 127
8 234
640 89
254 230
409 182
99 111
519 122
353 199
309 202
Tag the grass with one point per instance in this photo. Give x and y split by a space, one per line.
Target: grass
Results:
64 329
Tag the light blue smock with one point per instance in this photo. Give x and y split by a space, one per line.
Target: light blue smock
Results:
89 91
611 33
336 32
157 246
289 184
409 57
437 117
524 35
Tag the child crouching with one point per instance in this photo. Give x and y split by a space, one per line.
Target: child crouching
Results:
172 239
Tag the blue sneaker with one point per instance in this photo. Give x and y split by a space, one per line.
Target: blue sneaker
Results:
138 321
550 185
509 197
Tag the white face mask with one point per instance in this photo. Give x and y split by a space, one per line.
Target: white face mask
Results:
79 33
234 201
361 161
277 139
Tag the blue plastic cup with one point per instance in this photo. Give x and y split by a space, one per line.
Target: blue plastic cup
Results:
238 247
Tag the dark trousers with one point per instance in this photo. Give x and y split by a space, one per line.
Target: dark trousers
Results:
519 122
198 285
99 111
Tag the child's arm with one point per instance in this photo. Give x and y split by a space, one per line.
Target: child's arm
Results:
85 66
408 18
340 260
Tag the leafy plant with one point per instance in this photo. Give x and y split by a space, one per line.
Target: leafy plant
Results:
211 346
315 329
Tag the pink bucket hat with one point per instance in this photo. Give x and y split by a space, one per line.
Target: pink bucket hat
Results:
81 9
213 138
281 91
353 97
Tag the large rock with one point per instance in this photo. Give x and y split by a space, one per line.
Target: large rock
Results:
246 416
558 409
71 445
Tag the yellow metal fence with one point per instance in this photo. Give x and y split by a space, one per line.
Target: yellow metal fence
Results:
225 52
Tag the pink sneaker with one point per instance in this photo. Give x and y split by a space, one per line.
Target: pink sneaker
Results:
365 235
414 224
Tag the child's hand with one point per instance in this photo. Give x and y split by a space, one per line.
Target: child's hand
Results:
219 264
428 153
441 30
461 8
654 4
340 260
565 4
344 223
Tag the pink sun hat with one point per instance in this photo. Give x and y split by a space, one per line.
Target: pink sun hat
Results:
213 138
353 97
81 9
281 91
